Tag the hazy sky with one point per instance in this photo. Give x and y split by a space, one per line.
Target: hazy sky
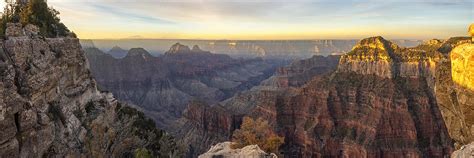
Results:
266 19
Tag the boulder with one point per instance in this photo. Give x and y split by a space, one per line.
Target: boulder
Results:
225 150
14 30
465 151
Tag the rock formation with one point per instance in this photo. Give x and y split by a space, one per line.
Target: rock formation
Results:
163 86
455 94
464 151
225 150
203 125
383 101
179 48
117 52
50 106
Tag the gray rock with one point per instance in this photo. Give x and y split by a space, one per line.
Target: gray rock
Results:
224 150
466 151
50 105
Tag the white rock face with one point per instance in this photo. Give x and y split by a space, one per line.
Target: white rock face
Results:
466 151
224 150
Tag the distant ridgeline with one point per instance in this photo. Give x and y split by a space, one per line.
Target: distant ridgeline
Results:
34 12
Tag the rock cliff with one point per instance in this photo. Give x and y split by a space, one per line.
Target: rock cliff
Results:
50 106
163 86
203 125
377 56
383 101
455 93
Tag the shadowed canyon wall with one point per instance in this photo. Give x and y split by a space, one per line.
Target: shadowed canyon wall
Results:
163 86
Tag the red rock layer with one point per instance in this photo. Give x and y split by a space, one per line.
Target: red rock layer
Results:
359 116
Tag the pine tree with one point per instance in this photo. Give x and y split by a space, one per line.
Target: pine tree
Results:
38 13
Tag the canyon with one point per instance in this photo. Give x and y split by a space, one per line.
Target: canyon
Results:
65 97
377 100
382 100
163 86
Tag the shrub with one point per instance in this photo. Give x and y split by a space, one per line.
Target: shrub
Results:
257 132
142 153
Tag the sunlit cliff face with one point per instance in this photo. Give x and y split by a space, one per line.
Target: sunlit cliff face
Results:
462 62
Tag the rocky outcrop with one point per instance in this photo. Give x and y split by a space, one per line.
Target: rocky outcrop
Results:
371 56
462 62
464 151
455 94
377 56
178 48
50 106
225 150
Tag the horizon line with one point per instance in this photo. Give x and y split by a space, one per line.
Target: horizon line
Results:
295 39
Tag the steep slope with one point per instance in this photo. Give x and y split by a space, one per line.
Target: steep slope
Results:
383 101
455 93
50 106
162 86
378 103
203 125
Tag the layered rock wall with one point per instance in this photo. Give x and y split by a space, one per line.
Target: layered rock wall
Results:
50 106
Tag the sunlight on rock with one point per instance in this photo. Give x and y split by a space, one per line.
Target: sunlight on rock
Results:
462 60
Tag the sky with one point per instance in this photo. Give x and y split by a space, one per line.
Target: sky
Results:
265 19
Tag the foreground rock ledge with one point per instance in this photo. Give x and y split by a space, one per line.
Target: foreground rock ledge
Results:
224 150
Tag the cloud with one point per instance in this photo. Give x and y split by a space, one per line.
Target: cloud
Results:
229 17
120 12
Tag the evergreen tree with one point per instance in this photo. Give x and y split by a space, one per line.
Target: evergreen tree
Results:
38 13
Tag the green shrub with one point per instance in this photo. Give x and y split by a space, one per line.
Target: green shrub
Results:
142 153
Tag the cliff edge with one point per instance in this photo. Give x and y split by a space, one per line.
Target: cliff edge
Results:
50 106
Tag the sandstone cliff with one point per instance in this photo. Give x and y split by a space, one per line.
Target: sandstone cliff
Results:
50 106
445 66
383 101
455 93
203 125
